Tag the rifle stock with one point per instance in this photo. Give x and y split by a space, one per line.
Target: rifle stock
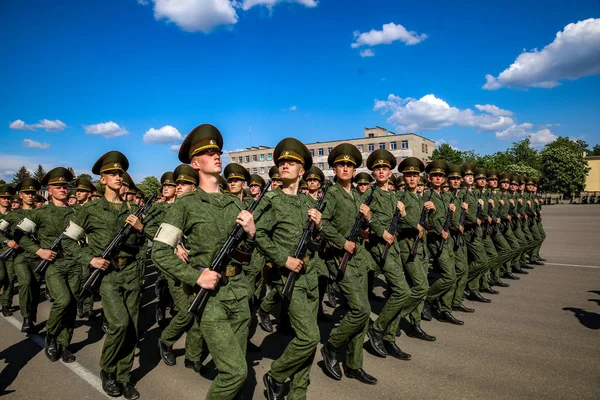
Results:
44 264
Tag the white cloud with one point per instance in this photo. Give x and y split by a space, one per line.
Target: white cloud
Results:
432 113
451 142
196 15
166 134
494 110
574 53
367 53
48 125
107 129
175 147
10 164
293 108
520 131
225 155
389 33
248 4
32 144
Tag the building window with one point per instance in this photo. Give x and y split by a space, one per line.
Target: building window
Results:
312 152
269 156
361 148
321 151
382 145
426 149
371 135
240 159
393 146
262 157
262 170
253 170
254 157
321 165
329 150
423 147
404 144
371 147
247 158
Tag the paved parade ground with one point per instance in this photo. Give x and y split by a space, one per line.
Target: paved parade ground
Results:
540 338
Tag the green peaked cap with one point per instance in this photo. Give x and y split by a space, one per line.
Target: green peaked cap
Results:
314 172
381 158
411 164
186 174
274 173
7 191
256 180
57 176
468 169
492 174
437 167
294 150
454 171
202 138
28 185
167 179
504 177
345 152
480 173
110 162
363 177
84 184
236 171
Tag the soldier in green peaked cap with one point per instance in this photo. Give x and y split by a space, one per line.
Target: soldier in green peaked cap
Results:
99 222
362 181
345 153
203 138
314 178
256 184
84 188
28 185
275 177
237 176
63 276
303 187
185 175
290 149
7 273
167 187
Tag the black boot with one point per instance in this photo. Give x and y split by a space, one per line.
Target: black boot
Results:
426 314
197 366
27 326
331 362
51 349
105 326
376 340
463 308
518 270
129 391
501 283
510 275
66 355
109 384
489 290
360 375
417 332
159 315
6 312
166 353
274 388
393 350
264 320
528 266
48 295
80 310
476 296
332 297
447 316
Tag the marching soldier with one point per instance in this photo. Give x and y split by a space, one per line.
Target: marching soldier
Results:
362 181
120 287
488 243
7 271
84 189
63 276
275 177
256 184
342 202
206 217
503 249
237 176
72 197
506 216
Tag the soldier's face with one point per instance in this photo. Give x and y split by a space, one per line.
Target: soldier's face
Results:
58 192
437 179
235 185
113 180
254 190
208 162
468 179
15 206
411 179
184 188
275 183
382 174
95 197
313 185
168 191
514 187
290 170
454 182
72 201
362 187
82 195
493 183
344 171
420 188
27 198
505 185
481 182
5 202
130 197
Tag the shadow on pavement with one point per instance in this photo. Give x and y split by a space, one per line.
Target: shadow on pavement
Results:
16 357
590 320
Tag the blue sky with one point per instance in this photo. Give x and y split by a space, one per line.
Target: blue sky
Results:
85 77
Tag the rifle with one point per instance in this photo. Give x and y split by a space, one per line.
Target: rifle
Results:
392 230
221 260
92 284
356 228
8 253
43 265
303 245
461 222
447 224
415 246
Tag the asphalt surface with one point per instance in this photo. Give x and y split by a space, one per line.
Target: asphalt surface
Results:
540 338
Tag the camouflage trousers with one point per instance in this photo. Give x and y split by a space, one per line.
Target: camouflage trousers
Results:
441 293
29 286
461 266
63 281
477 258
7 282
416 277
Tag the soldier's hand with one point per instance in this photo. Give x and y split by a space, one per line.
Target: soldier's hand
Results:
498 220
350 247
520 201
402 208
529 202
365 210
429 205
444 235
421 231
46 254
491 201
465 206
315 217
509 218
100 263
388 237
501 202
208 279
452 207
12 244
294 264
512 202
246 221
489 220
480 201
134 222
182 254
461 229
478 221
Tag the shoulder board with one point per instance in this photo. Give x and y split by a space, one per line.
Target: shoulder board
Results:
184 195
271 194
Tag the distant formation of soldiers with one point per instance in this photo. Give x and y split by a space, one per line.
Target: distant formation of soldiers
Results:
228 253
587 198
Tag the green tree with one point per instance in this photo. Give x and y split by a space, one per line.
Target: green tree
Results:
595 151
2 182
39 173
88 176
447 153
523 169
149 185
21 174
522 152
471 157
563 167
583 145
